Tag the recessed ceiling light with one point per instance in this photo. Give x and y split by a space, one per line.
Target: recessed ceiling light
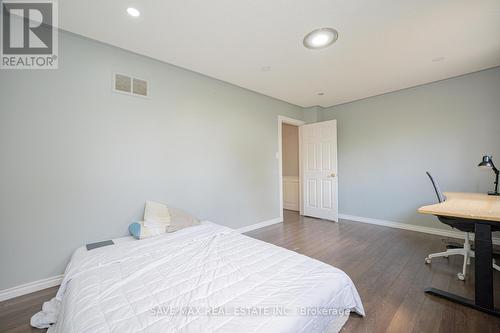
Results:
133 12
320 38
321 94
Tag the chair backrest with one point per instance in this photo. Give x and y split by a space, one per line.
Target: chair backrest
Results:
439 195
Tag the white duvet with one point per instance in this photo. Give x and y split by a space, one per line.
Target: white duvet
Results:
206 278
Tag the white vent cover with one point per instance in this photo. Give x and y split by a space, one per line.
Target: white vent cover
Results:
129 85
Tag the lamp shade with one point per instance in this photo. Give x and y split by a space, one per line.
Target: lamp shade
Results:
486 162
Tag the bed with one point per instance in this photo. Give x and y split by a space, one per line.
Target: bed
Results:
206 278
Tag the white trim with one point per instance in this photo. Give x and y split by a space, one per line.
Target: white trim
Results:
30 287
260 225
405 226
301 174
290 121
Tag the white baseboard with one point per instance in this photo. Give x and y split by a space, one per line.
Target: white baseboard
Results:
30 287
56 280
34 286
399 225
260 225
292 207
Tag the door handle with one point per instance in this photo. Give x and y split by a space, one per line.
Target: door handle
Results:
333 175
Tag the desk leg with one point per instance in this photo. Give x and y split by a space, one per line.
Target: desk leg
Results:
483 266
483 275
461 300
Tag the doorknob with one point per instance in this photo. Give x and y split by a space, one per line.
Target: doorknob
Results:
333 174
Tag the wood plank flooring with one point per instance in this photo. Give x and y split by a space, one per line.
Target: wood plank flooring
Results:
15 313
386 265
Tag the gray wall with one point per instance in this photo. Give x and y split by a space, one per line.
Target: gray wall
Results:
387 142
78 161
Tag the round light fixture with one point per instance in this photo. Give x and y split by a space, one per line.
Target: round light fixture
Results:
133 12
320 38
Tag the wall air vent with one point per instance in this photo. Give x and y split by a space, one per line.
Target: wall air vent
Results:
125 84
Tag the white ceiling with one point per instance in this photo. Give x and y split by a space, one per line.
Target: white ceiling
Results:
383 45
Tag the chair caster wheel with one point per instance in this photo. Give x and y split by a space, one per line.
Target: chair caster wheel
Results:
461 277
427 260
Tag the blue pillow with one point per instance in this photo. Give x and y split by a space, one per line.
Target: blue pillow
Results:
140 231
135 230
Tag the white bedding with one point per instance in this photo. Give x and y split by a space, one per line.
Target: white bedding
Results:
206 278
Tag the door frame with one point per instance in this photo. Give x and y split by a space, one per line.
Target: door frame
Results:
290 121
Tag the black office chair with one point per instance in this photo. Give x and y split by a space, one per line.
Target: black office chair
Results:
457 224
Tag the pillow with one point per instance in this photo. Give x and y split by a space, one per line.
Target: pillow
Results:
139 231
180 220
156 213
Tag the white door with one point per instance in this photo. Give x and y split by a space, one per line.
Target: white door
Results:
319 169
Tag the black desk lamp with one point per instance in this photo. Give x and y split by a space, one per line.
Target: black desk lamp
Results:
488 163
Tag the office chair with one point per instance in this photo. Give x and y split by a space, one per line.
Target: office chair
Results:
462 226
454 223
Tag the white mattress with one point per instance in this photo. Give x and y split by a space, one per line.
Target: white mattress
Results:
206 278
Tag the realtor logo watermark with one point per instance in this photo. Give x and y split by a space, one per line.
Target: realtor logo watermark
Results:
29 38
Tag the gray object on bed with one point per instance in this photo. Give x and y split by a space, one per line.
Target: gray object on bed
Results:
99 244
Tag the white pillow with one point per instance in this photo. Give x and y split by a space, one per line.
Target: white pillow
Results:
140 231
156 214
180 220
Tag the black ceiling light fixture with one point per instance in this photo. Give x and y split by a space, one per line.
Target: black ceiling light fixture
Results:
487 162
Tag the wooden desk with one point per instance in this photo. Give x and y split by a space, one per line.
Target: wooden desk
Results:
466 205
483 211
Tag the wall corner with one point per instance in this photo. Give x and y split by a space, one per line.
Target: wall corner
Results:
312 114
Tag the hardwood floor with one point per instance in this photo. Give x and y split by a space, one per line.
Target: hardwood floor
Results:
15 313
386 265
